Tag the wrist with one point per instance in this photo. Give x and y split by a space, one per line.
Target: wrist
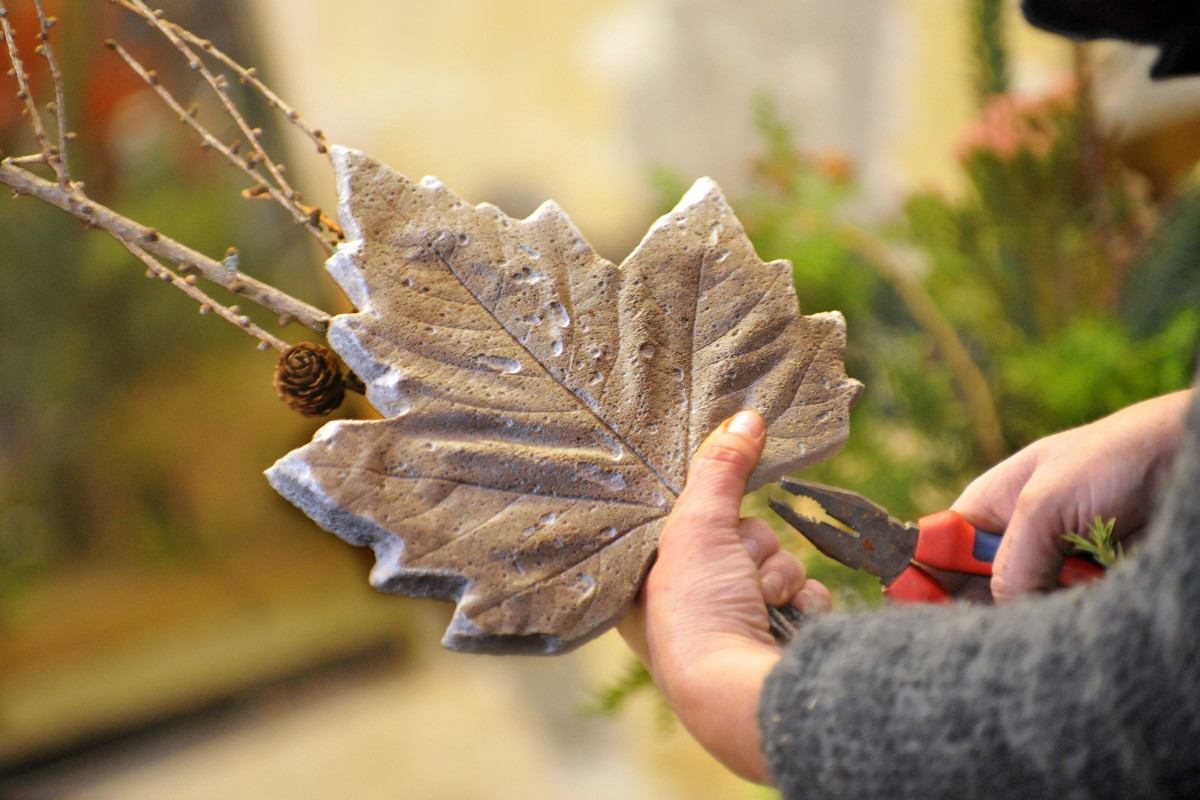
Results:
717 695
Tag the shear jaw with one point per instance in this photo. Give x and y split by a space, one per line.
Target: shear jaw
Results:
875 542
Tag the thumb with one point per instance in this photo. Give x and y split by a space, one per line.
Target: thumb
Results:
721 468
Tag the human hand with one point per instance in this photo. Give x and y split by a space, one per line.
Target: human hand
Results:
700 624
1059 484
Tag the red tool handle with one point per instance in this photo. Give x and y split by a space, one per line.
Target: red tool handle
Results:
947 541
1076 570
915 585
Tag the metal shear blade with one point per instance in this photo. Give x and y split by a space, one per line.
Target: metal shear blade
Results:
879 544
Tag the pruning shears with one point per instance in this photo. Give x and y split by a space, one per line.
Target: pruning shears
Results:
897 552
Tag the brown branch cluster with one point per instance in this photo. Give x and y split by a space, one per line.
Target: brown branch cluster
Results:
163 257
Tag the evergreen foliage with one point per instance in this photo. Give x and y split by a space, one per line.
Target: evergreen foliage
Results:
989 47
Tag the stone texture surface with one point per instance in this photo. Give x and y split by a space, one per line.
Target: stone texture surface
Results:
541 403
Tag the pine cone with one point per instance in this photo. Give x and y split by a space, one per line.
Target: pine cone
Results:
309 379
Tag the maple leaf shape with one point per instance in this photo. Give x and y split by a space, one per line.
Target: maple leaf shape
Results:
542 404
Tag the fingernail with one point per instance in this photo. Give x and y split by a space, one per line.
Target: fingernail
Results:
774 582
747 423
806 601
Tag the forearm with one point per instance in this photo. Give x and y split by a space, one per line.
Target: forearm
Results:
1089 693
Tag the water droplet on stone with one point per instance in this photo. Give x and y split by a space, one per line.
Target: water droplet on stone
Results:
546 519
530 251
646 350
557 348
658 499
585 585
508 366
607 533
527 277
613 481
561 318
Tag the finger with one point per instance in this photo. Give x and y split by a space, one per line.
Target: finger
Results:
781 576
813 598
712 497
990 500
1030 555
758 539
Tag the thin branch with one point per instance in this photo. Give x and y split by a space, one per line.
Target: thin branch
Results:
25 95
980 404
20 161
187 285
250 78
72 200
60 104
188 117
290 198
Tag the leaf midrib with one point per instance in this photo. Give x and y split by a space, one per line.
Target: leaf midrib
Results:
579 401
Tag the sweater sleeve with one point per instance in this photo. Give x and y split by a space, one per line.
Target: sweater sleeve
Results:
1092 692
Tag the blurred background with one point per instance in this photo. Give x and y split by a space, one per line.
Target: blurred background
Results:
1009 222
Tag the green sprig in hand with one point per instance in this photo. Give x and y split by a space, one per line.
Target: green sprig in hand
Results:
1098 542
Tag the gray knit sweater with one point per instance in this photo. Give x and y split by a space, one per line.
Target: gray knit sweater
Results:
1087 693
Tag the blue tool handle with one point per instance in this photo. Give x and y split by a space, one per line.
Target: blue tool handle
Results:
986 545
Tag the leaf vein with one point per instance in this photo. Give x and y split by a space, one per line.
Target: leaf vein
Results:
599 420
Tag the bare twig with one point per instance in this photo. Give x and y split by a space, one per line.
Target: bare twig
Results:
21 161
250 78
154 269
60 104
147 244
75 202
287 196
25 95
188 117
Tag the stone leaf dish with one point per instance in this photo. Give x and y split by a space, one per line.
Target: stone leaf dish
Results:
541 404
